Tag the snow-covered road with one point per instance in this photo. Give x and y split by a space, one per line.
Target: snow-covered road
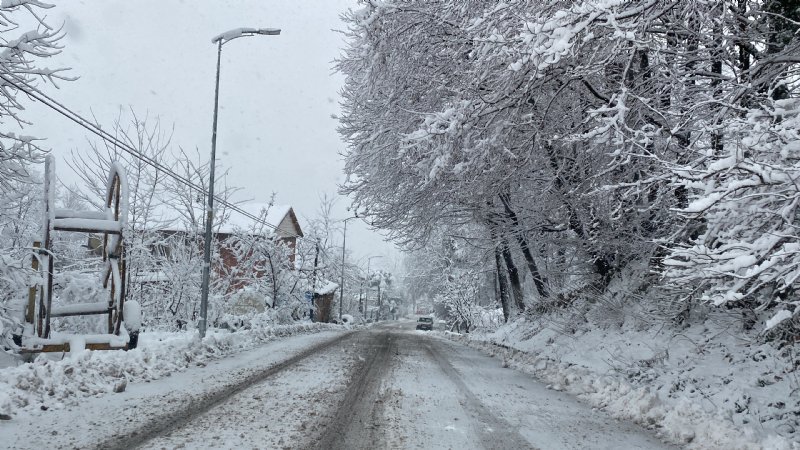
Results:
384 387
414 390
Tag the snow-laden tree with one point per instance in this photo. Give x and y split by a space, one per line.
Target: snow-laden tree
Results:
748 253
320 250
146 192
178 230
27 41
536 103
568 129
21 214
21 61
409 67
460 297
457 275
263 270
20 226
322 242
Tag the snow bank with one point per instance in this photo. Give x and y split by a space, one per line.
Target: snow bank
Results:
55 384
703 394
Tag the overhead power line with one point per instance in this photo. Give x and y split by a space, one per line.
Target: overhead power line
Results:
33 92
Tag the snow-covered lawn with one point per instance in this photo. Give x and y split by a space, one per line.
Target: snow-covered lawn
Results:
55 382
717 392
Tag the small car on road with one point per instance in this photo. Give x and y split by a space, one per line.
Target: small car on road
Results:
425 323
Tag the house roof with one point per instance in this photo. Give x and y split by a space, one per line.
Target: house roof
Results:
273 215
281 220
328 287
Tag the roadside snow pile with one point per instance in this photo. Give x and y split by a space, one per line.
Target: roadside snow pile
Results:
702 392
56 384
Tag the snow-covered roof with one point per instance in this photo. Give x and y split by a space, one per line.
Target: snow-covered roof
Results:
281 220
327 288
275 214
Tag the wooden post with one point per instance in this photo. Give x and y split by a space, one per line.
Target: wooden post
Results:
49 292
49 214
30 313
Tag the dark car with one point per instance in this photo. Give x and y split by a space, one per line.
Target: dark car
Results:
425 323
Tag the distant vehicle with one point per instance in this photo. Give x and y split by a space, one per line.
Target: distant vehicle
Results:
425 323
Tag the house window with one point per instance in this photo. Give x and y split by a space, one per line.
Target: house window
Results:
161 251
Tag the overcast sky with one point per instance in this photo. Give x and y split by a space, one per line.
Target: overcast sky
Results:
277 93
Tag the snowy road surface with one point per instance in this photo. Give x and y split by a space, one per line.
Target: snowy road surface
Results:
385 387
416 391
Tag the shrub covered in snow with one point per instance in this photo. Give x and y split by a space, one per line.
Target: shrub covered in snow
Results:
14 282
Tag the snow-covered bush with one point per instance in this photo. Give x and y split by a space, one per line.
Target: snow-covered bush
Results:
262 273
459 297
489 319
14 282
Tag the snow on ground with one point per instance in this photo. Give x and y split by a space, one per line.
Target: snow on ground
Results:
701 386
101 420
286 410
59 381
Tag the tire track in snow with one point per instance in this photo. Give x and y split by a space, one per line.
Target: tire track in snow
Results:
358 416
168 422
493 431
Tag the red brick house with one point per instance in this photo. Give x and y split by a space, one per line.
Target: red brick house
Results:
281 224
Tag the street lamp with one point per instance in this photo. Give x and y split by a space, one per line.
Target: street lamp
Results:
366 300
341 280
219 40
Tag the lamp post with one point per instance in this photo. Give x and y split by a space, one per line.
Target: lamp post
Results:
366 300
341 280
219 40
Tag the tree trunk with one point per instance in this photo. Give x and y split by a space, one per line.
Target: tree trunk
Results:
513 276
538 280
502 284
600 260
744 53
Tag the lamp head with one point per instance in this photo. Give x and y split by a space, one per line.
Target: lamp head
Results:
269 31
240 32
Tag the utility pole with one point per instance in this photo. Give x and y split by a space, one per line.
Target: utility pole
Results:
379 296
206 275
341 279
314 277
366 297
314 271
361 297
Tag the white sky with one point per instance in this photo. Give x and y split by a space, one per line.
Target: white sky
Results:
277 93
